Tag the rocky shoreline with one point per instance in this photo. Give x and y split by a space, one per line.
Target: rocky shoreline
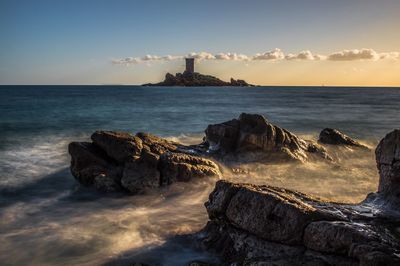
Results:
249 224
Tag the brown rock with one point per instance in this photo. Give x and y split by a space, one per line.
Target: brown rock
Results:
121 161
183 167
88 162
335 137
253 138
120 146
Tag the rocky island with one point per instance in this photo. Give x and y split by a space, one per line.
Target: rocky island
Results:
189 78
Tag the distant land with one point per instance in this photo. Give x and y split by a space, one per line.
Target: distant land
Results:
189 78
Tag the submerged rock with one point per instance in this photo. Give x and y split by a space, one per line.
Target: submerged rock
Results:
335 137
252 138
121 161
265 225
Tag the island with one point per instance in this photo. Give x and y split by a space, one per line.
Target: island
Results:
189 78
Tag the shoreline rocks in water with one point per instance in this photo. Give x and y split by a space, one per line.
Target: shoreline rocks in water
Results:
117 161
335 137
195 79
252 138
265 225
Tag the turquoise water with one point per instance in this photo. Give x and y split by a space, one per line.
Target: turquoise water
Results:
44 211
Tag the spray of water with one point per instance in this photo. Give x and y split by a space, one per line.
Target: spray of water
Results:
57 222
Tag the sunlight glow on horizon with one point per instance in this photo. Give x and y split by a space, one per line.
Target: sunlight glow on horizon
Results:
343 43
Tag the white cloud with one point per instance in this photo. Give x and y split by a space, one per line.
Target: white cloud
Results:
274 55
305 55
355 54
201 56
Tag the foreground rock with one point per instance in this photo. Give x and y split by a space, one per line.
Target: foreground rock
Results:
388 162
335 137
197 80
120 161
252 138
264 225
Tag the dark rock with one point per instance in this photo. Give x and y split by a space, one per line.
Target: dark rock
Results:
140 176
88 161
183 167
264 225
195 79
388 163
335 137
253 138
120 146
120 161
267 224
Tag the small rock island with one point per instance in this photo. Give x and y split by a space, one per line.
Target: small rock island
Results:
189 78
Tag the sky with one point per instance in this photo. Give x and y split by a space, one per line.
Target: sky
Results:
309 42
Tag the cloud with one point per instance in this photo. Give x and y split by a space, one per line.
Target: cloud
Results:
305 55
126 61
232 56
273 55
201 56
355 54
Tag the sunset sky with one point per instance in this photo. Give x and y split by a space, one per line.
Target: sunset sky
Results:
310 42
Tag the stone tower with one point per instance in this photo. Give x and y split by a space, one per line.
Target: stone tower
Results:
189 65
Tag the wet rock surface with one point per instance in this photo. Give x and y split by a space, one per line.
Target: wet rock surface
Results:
117 161
265 225
252 138
335 137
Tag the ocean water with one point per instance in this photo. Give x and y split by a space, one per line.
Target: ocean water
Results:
46 218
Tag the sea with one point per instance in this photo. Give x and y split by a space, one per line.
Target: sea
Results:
47 218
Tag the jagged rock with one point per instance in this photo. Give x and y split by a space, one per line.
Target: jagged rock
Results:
267 224
264 225
120 161
88 161
335 137
183 167
120 146
253 138
388 163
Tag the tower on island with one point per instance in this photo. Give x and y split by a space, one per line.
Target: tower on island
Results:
189 65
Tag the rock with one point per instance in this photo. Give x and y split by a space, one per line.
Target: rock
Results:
106 183
335 137
121 161
120 146
264 225
388 163
138 177
88 162
183 167
196 80
253 138
267 224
